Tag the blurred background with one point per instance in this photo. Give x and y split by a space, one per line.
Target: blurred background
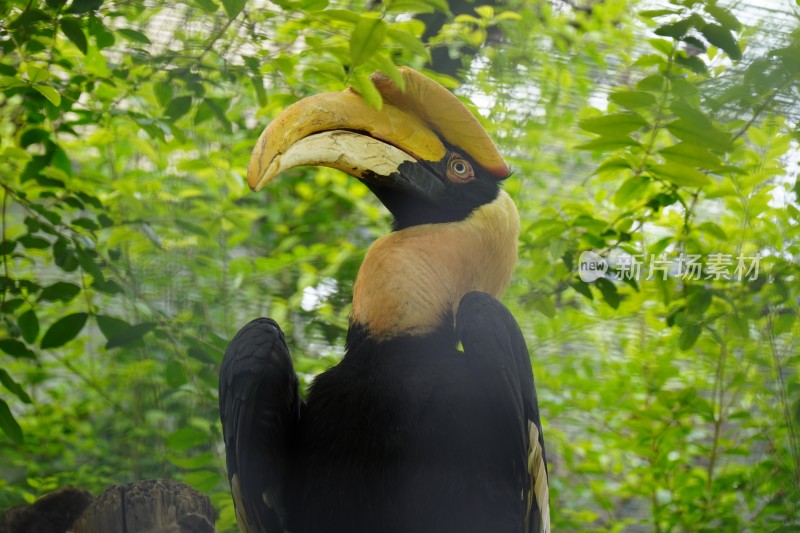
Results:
658 134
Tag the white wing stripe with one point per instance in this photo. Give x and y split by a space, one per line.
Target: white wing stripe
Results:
538 473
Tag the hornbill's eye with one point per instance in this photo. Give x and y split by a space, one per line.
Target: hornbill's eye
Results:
459 170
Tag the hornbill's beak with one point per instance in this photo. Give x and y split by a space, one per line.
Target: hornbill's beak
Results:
400 146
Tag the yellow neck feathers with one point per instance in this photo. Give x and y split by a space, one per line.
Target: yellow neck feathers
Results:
411 279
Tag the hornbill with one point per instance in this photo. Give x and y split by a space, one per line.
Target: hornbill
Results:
430 422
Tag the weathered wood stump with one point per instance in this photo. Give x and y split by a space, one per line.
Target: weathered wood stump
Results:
152 506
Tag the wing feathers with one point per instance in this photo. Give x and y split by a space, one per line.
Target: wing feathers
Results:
259 408
538 473
488 330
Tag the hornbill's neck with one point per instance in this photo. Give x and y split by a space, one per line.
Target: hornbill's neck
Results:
413 279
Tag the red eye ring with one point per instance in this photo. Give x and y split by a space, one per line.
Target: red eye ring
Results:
459 170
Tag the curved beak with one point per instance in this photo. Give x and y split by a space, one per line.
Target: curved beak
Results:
340 130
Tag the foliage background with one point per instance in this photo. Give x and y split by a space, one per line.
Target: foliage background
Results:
132 249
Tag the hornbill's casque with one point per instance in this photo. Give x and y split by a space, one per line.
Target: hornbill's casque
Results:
408 433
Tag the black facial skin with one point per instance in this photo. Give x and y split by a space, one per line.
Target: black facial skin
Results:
421 192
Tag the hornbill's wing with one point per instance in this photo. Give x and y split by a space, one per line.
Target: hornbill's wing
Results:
488 332
259 406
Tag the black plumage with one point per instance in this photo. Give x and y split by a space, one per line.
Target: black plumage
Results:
409 434
260 408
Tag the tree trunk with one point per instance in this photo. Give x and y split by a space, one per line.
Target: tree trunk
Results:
153 506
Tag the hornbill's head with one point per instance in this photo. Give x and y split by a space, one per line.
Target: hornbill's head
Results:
428 160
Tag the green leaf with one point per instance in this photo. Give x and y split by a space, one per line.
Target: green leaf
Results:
60 290
723 39
64 256
632 188
64 330
103 37
695 42
408 6
7 423
418 6
614 124
233 7
111 326
783 323
581 287
508 15
178 107
17 349
313 5
7 247
681 175
485 12
632 99
340 15
209 6
692 114
739 324
689 335
727 19
217 108
545 305
134 36
175 375
790 528
695 64
366 39
187 437
608 143
49 93
678 29
91 200
86 223
653 82
88 259
364 86
609 292
191 228
163 93
410 42
690 154
28 324
9 306
82 6
203 480
699 134
383 64
201 355
193 462
655 13
28 18
713 229
614 165
698 302
14 387
129 335
33 136
74 32
106 286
